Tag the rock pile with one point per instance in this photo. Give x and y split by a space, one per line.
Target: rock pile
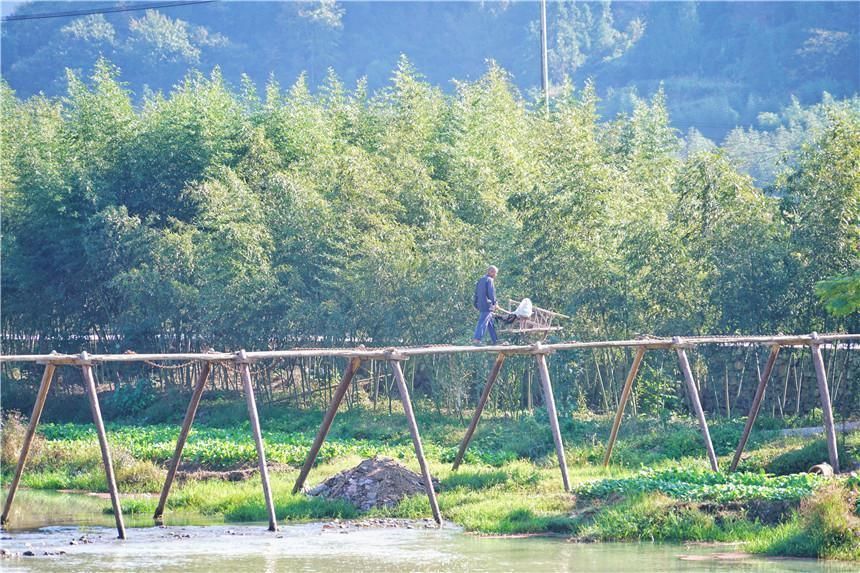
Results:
377 482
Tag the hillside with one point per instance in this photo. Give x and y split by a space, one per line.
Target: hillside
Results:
721 64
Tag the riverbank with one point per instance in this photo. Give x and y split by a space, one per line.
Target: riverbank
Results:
658 487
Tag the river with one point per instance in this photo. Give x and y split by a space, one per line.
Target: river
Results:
86 543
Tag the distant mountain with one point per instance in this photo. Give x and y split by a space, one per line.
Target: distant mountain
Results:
8 7
720 63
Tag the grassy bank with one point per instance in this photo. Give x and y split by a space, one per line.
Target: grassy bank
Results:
658 488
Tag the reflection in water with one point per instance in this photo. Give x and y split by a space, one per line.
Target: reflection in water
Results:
340 548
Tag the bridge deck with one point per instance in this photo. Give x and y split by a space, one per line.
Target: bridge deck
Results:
402 352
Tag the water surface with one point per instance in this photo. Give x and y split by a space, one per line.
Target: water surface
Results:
90 544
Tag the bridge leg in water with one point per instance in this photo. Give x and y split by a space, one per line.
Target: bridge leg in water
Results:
553 417
697 404
245 372
756 405
41 397
416 438
87 368
491 380
826 406
622 403
202 378
336 399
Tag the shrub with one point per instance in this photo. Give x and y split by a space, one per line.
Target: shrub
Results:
13 428
131 399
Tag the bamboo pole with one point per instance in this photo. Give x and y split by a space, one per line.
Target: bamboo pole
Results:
697 404
549 399
756 405
416 438
826 406
190 413
385 353
482 401
337 398
41 397
622 403
87 369
258 438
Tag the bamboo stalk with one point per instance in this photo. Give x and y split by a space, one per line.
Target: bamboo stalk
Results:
553 417
190 413
697 405
337 398
826 406
103 444
622 403
491 379
41 398
258 440
756 405
416 439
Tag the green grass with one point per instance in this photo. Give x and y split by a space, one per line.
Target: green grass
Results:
824 526
658 488
656 517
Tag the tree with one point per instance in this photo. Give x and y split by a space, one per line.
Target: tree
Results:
840 295
821 203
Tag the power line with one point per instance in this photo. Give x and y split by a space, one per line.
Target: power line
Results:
72 13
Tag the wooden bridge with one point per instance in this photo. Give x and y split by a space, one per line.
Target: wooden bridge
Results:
394 356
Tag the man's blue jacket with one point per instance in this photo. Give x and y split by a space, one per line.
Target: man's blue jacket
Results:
485 294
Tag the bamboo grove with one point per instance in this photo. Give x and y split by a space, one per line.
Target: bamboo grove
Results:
228 217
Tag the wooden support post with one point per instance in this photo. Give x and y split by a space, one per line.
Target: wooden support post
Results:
202 378
336 399
756 405
697 404
826 406
245 372
90 384
416 438
549 399
494 373
41 397
622 403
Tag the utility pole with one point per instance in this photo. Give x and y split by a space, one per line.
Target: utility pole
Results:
544 66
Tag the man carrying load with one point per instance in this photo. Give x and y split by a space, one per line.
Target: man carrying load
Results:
485 302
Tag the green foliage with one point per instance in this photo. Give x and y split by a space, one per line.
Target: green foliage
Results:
210 218
668 502
824 528
692 484
293 507
644 517
824 194
840 295
228 448
135 506
132 399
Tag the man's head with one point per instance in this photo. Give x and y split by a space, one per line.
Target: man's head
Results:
491 271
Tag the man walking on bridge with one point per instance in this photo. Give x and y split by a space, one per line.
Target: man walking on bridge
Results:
485 303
